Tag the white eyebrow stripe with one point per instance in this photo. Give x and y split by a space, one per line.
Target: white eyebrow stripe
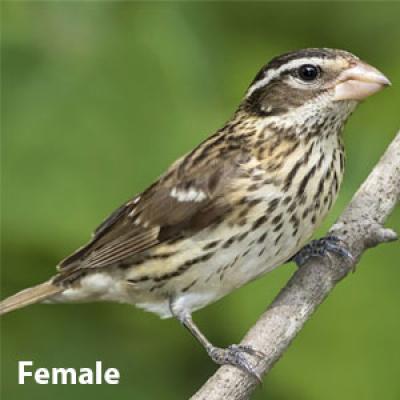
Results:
273 73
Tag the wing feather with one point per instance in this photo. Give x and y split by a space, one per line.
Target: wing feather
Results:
181 202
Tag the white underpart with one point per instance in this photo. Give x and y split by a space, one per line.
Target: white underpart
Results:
250 264
257 171
190 194
273 73
96 286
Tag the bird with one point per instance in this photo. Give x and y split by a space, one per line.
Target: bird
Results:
244 201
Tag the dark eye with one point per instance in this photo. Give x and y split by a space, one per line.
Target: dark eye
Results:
308 72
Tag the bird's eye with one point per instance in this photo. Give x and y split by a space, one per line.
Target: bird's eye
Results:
308 72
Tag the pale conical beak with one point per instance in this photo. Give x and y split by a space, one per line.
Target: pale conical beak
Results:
359 82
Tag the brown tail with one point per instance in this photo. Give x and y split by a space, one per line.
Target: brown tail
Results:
29 296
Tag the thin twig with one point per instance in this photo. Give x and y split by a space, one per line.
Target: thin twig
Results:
359 228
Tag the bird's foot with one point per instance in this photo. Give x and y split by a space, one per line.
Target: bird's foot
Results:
321 248
235 355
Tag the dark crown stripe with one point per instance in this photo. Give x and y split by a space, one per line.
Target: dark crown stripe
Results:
277 62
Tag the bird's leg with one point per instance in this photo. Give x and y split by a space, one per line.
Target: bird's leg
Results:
233 355
320 248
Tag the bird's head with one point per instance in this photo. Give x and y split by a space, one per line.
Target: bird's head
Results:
311 84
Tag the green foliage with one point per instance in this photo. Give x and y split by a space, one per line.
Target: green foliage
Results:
98 98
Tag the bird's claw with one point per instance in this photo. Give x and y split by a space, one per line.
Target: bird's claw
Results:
235 355
321 248
247 349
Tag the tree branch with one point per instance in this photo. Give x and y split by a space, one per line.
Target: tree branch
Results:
359 227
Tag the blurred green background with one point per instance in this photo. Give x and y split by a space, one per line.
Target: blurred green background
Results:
98 98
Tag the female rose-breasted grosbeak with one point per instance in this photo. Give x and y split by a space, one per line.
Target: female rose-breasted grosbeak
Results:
240 204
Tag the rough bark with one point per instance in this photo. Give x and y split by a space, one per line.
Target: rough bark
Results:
360 227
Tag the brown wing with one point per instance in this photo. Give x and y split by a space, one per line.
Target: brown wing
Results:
185 200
